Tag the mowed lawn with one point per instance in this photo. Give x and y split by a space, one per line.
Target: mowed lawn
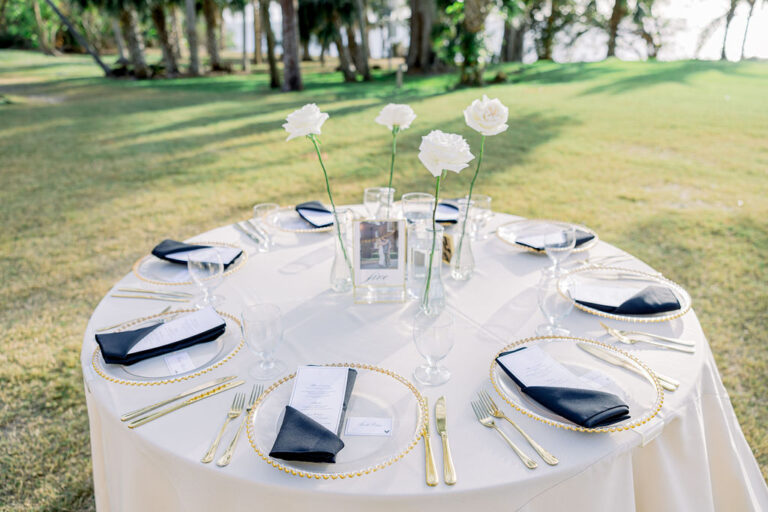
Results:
666 160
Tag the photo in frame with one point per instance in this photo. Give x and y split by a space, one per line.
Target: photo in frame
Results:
379 260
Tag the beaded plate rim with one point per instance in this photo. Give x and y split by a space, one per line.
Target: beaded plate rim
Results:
100 371
421 427
582 248
239 264
298 230
658 403
629 318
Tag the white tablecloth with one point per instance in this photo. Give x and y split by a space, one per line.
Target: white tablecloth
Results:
694 457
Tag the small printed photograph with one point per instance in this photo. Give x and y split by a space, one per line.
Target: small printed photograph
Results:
379 245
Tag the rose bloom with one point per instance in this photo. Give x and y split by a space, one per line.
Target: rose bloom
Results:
489 117
305 121
441 151
396 115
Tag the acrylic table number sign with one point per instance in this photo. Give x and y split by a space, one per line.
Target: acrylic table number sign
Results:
379 260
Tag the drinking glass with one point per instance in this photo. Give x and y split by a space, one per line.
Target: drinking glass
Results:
480 214
206 267
558 244
418 207
261 214
433 335
262 326
553 304
378 201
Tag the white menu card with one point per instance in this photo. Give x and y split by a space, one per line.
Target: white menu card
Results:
318 392
179 329
534 367
228 254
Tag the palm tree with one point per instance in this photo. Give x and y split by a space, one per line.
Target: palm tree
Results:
291 70
274 74
157 13
361 63
211 15
620 10
82 41
752 4
194 53
257 57
421 54
728 19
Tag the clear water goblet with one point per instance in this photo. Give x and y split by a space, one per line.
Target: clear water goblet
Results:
261 218
262 326
558 244
434 338
206 268
555 304
480 214
417 207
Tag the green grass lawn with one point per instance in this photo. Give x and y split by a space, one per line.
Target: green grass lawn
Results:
666 160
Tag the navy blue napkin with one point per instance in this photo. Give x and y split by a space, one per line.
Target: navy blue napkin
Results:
303 439
648 301
585 407
115 345
168 247
582 237
321 221
447 213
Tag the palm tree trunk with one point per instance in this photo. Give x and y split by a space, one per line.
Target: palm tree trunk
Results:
244 64
354 49
157 12
746 28
194 53
728 19
3 5
120 43
305 56
344 58
211 15
323 49
220 23
512 46
129 22
420 52
619 11
257 57
363 53
42 37
274 75
175 30
291 70
82 41
548 34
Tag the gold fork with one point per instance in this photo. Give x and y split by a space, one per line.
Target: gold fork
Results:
234 412
491 407
485 418
256 392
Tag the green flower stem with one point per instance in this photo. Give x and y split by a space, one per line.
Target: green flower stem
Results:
395 129
425 299
469 199
313 138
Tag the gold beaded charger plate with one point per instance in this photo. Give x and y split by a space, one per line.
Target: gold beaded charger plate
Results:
152 269
512 231
616 277
378 393
287 219
642 393
204 357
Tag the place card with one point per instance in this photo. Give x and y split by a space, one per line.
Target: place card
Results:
179 329
179 362
319 392
532 366
228 254
362 426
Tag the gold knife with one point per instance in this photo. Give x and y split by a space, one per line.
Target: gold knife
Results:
667 383
138 412
188 401
449 471
432 479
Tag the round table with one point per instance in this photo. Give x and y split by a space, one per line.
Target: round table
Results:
693 456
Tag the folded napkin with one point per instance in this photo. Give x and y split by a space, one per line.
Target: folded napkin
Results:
315 213
178 252
648 301
198 327
586 407
536 242
447 213
303 439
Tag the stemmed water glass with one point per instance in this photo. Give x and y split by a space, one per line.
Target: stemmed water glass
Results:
558 244
206 268
554 303
433 335
261 214
417 207
378 201
262 326
480 215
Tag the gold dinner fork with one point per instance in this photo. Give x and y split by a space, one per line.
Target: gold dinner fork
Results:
491 407
256 392
234 412
485 418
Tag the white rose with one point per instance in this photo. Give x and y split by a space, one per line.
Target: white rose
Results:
444 152
396 115
305 121
489 117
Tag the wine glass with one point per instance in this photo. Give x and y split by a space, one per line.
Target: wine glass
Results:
262 326
261 214
480 215
558 244
433 335
206 268
417 207
554 304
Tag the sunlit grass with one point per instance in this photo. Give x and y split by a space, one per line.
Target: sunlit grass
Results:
666 160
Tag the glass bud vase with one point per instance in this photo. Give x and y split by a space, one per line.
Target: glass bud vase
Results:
463 261
433 292
341 269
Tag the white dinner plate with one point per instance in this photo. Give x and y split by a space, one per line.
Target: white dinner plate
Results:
512 231
154 270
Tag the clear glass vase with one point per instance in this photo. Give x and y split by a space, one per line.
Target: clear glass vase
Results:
341 269
463 261
433 292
